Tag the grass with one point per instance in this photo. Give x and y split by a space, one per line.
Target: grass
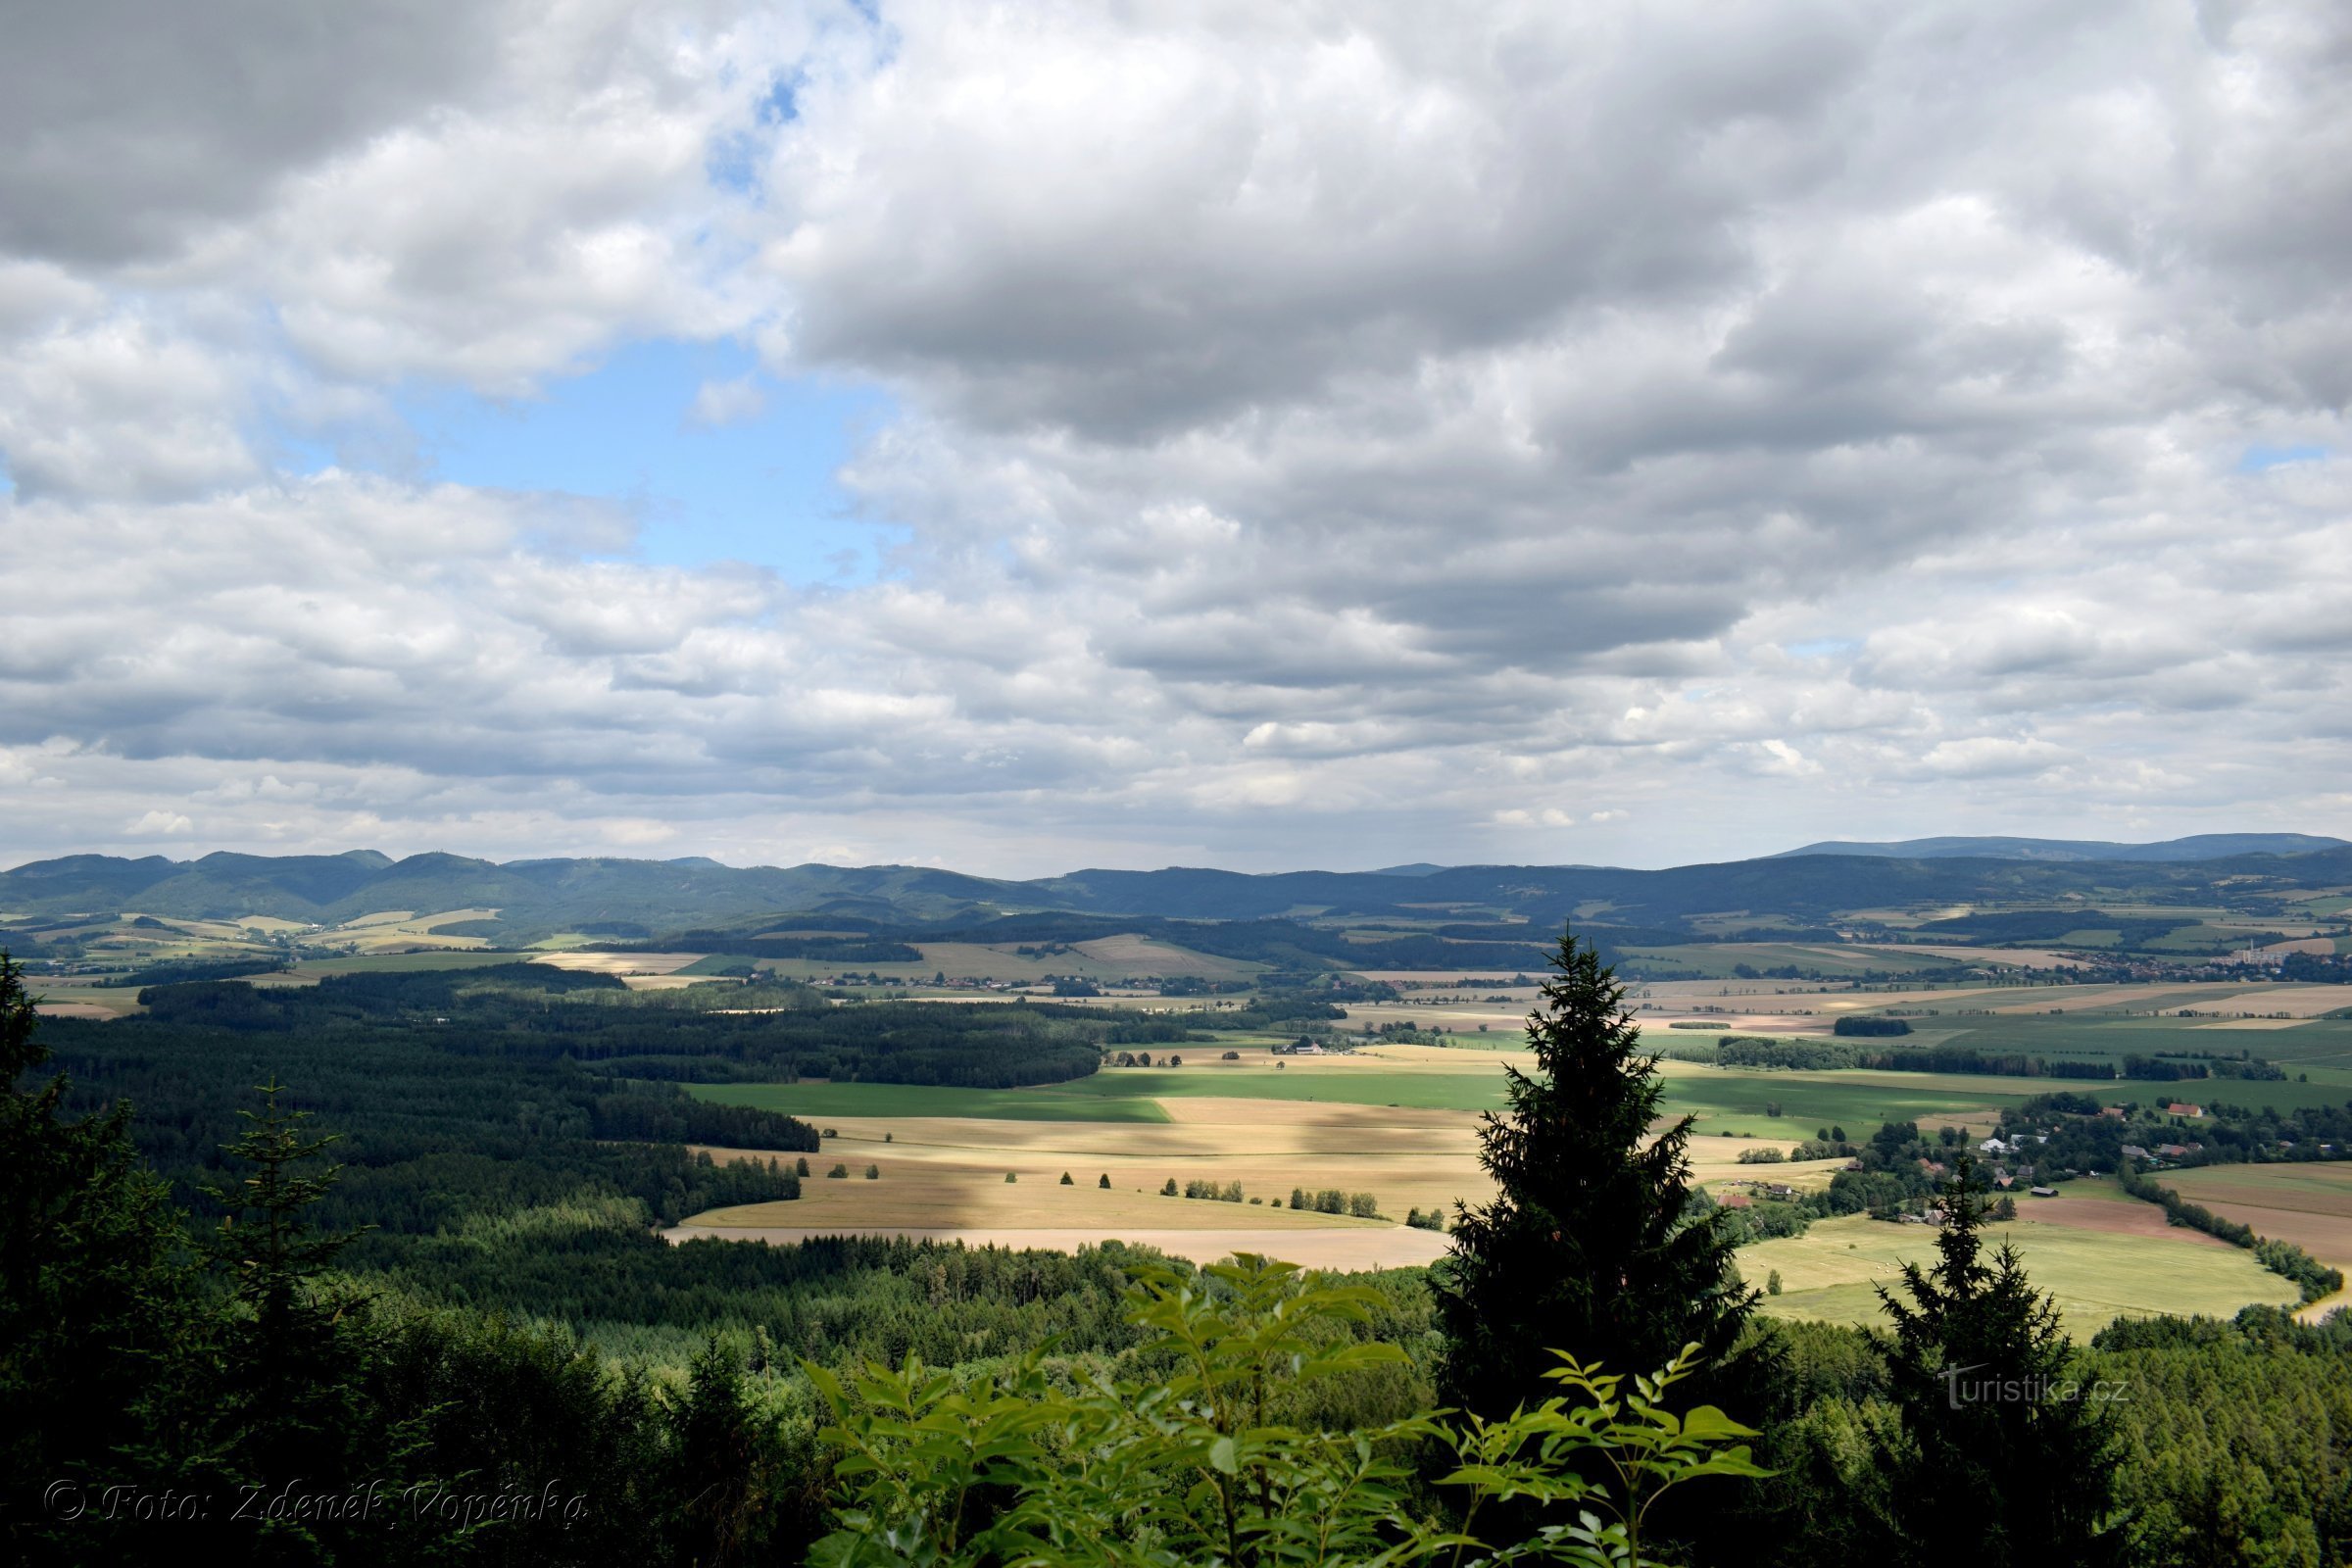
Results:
1831 1272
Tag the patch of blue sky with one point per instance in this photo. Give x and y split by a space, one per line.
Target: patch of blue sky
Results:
2260 459
757 485
734 161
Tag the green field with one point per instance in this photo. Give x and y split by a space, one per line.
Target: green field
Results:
1832 1271
404 963
1717 962
1725 1100
1737 1100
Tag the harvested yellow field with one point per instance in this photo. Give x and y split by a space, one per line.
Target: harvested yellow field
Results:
618 964
2297 1001
1137 954
400 930
943 1175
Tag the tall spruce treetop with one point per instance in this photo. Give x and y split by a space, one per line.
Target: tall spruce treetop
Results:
1593 1244
2007 1448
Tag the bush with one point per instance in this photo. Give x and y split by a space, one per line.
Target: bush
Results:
1362 1204
1169 1191
873 1173
1761 1157
1105 1182
1187 1466
1065 1180
1011 1177
837 1172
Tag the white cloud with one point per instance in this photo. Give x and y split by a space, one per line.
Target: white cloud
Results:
1320 428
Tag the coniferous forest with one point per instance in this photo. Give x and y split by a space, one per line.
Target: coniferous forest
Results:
371 1272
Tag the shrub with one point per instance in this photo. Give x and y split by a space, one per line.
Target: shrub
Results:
1105 1182
1065 1180
1169 1191
837 1172
1011 1177
1187 1467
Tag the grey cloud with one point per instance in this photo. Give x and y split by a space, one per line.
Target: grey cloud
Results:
128 122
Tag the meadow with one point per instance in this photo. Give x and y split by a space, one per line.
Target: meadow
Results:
2097 1268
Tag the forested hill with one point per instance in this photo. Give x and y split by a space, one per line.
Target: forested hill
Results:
641 899
2196 847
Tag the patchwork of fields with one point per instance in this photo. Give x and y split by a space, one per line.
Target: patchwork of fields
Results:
1398 1121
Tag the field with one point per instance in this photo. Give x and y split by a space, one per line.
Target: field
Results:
1114 957
2099 1258
1718 960
1413 1077
2310 1205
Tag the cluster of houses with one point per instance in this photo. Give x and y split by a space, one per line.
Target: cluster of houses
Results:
2154 1158
2006 1176
1743 1194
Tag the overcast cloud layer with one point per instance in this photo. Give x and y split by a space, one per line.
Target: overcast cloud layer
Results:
1324 435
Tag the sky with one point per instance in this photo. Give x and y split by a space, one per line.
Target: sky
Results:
1264 436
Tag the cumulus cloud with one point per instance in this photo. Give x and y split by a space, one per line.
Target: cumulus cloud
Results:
1323 433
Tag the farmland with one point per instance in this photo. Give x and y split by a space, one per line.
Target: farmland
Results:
2308 1204
1399 1121
2097 1269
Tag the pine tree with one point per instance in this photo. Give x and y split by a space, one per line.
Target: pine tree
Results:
1589 1245
2003 1449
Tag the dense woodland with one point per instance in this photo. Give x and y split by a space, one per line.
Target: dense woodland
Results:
511 1368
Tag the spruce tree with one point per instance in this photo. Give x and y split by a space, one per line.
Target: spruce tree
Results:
2004 1448
298 1352
1591 1245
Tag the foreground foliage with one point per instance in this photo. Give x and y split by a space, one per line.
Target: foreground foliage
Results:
1198 1464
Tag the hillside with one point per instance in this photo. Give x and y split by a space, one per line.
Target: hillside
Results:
1301 916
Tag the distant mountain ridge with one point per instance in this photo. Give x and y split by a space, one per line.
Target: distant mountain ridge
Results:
2196 847
1805 890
